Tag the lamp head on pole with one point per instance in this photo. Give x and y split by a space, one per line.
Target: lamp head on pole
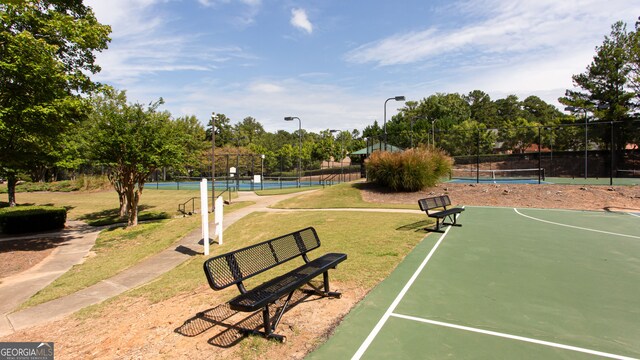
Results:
288 118
399 98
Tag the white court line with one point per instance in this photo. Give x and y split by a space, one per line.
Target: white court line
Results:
363 347
515 337
632 214
576 227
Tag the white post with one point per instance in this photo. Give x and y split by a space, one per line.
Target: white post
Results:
204 211
218 212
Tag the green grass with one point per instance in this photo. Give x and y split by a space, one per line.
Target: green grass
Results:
373 252
345 195
286 190
118 249
96 205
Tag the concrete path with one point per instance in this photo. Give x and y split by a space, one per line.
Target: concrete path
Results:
17 289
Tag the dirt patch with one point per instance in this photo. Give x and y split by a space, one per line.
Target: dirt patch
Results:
133 328
598 197
17 256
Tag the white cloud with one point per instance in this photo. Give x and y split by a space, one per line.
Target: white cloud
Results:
319 106
504 27
300 20
246 18
266 88
142 44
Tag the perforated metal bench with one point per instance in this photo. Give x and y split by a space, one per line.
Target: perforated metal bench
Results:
234 267
428 205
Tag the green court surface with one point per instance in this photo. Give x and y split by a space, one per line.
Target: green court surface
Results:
508 284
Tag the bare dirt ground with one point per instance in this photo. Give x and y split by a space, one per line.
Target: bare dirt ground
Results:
134 328
576 197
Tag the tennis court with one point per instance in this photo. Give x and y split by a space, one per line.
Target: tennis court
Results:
233 185
510 283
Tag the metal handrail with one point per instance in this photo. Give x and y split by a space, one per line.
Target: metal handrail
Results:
183 207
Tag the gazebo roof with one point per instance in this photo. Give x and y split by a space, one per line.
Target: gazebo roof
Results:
375 147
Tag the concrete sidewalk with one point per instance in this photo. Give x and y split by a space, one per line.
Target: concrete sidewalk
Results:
17 289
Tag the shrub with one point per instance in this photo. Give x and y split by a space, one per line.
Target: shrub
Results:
24 219
79 184
410 170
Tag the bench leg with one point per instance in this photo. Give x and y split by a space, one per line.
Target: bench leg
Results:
454 223
437 229
322 292
266 322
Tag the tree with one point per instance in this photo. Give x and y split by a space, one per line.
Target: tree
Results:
509 109
46 56
605 82
518 134
249 129
483 110
224 131
462 139
133 141
633 49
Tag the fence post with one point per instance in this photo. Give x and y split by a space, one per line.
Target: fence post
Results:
611 149
478 159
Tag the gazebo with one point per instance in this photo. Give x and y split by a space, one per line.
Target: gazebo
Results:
364 153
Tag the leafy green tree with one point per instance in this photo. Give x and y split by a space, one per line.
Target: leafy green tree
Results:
509 109
463 138
193 135
482 109
518 134
224 130
606 83
538 111
46 56
133 141
248 129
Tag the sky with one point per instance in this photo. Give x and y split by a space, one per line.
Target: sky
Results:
334 63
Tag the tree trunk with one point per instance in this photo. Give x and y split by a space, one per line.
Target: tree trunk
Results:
123 204
115 178
11 188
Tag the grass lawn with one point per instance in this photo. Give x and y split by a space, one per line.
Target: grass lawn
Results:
346 195
286 190
373 252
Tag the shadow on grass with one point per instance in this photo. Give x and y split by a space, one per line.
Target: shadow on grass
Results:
112 216
417 226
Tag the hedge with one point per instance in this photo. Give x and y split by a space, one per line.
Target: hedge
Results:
28 219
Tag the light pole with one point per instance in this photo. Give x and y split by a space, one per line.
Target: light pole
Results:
290 118
586 135
341 154
412 119
433 132
396 98
262 172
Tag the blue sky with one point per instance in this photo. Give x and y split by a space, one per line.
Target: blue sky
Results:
333 63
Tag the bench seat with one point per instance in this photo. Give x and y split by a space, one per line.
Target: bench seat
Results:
235 267
273 289
429 206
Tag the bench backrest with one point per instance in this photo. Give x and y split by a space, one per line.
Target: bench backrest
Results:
434 202
234 267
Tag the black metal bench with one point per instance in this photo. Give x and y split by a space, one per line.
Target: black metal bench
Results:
234 267
428 205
